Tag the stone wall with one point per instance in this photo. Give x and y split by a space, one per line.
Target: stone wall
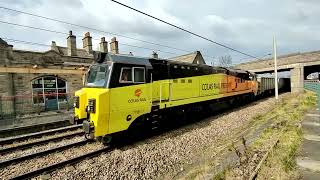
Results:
16 92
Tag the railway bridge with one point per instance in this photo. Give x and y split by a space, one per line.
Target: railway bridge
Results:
299 64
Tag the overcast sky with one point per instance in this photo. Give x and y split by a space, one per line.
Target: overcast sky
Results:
246 25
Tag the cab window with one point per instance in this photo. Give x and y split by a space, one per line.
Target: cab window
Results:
126 75
139 75
97 76
132 75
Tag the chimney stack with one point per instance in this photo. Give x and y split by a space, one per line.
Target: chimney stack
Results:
72 44
155 55
103 45
87 42
54 46
7 49
114 46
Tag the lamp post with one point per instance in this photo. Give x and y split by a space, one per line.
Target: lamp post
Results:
275 67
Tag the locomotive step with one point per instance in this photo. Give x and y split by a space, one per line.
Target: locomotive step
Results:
155 127
155 115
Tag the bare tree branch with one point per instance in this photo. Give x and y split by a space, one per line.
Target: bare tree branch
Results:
225 61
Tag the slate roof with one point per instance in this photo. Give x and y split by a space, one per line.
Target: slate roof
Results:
189 58
80 52
185 58
2 42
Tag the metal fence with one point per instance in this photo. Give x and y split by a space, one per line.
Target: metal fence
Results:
313 85
20 105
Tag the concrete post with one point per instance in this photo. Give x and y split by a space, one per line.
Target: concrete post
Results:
297 79
275 68
72 44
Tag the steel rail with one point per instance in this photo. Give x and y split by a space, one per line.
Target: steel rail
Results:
62 164
41 153
10 140
27 145
254 174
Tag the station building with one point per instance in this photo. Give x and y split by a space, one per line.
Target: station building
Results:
33 82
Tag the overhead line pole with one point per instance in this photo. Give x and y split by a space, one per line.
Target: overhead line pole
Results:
275 67
222 45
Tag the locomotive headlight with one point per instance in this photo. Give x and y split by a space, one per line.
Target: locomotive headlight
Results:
76 102
92 105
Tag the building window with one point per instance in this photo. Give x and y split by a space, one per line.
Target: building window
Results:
49 89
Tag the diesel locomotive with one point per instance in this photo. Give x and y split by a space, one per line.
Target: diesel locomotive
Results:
121 91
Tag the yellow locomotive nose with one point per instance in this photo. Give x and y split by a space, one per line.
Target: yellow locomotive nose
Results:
97 112
80 101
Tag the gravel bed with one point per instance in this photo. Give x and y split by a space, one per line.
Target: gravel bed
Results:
164 156
40 148
38 139
36 163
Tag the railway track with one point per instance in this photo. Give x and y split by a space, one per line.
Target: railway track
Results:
254 174
41 153
62 164
11 140
20 130
39 142
56 165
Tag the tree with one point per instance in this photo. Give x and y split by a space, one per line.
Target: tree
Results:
225 61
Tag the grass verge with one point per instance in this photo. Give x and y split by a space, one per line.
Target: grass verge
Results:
281 163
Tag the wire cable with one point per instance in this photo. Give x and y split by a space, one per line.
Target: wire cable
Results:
217 43
94 29
59 32
25 42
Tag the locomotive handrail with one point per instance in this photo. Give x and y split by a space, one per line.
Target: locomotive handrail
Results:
170 90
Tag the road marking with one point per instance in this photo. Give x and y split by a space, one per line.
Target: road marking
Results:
308 164
311 137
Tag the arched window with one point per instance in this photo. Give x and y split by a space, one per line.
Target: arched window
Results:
49 90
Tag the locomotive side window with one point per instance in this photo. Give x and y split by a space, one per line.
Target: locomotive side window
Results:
126 75
132 75
139 75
